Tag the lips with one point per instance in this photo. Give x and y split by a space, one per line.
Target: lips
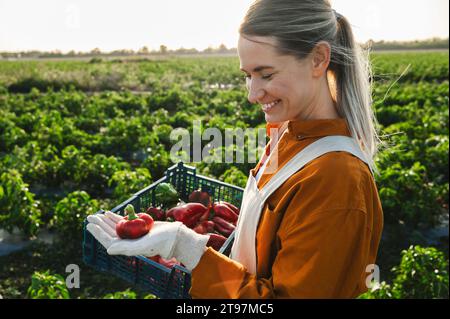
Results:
269 106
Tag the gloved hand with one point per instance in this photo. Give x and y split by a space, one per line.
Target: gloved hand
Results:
165 239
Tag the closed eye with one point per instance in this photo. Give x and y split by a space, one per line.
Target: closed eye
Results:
264 77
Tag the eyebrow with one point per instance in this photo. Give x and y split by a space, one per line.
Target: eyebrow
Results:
260 68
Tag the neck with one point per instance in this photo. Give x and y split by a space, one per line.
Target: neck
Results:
324 107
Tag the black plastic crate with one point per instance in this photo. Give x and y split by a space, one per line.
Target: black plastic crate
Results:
141 271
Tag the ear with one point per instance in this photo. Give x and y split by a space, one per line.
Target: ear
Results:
321 56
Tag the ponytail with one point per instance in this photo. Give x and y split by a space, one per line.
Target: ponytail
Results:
353 76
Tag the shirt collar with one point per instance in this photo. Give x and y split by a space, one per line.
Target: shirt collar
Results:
301 129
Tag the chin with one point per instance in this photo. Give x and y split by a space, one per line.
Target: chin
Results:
270 118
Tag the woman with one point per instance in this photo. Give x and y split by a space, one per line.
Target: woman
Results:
311 218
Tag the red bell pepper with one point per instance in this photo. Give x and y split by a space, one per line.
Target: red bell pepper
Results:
169 263
231 206
215 241
223 211
198 196
222 226
154 258
206 216
134 225
204 227
156 213
189 214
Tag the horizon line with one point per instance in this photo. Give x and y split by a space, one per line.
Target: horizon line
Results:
209 48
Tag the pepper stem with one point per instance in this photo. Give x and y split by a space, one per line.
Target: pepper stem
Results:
130 212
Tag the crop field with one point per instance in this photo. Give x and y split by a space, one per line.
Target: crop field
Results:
77 136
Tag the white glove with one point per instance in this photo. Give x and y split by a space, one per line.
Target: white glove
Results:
165 239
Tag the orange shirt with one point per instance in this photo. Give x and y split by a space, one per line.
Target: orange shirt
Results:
317 233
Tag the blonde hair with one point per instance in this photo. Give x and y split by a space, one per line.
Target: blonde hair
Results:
297 26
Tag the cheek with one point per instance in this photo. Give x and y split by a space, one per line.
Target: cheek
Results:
277 90
298 91
286 87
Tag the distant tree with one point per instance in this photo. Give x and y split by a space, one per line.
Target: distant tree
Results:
96 51
144 50
223 48
162 49
193 50
433 43
209 50
186 51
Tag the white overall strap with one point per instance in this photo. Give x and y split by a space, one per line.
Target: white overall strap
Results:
244 239
273 143
320 147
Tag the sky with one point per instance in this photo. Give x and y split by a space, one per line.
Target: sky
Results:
83 25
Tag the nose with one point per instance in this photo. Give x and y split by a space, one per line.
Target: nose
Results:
255 92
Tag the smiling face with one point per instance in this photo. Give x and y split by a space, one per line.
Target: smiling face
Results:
286 88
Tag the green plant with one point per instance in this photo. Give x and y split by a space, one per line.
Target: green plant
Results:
99 171
121 135
157 161
44 285
73 164
18 206
126 182
70 213
234 176
127 294
378 291
422 274
409 196
163 132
